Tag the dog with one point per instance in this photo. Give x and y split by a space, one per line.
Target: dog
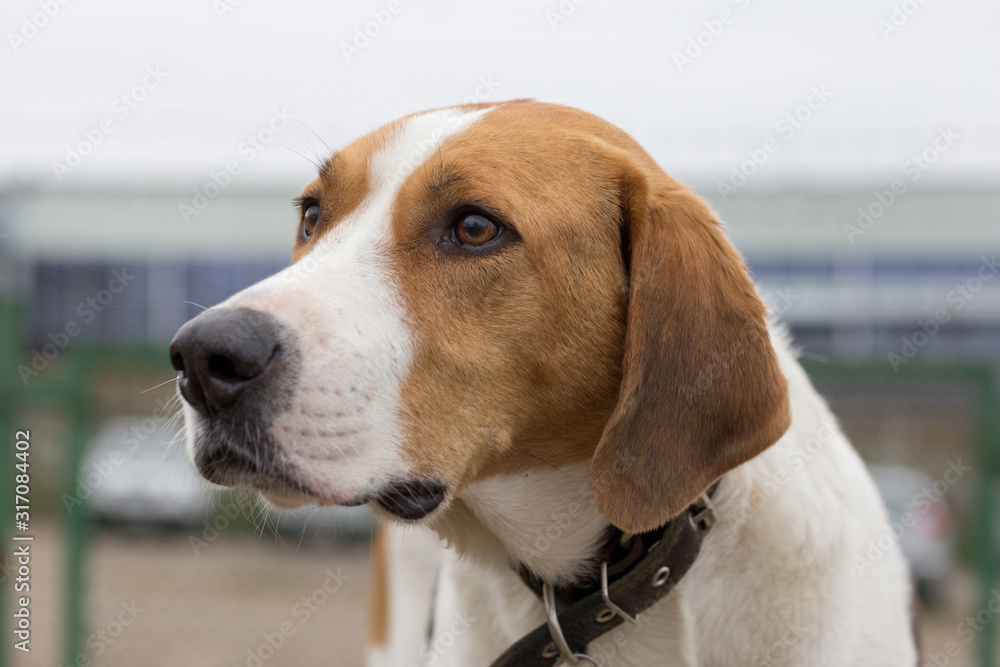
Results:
509 332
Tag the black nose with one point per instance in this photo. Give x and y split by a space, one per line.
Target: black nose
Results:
221 354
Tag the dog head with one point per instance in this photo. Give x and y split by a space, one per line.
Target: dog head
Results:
479 290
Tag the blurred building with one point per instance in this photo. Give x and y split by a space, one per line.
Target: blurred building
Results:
919 281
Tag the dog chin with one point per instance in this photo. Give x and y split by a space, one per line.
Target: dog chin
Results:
287 499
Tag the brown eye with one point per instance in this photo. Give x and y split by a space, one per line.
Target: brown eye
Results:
475 230
309 218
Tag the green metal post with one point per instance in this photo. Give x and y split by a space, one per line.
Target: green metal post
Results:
78 521
986 556
9 340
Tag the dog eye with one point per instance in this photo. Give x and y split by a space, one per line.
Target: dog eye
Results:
475 230
310 216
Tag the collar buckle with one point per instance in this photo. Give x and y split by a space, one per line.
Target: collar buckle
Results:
649 569
703 513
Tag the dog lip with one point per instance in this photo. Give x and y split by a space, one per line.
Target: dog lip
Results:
231 468
359 500
412 499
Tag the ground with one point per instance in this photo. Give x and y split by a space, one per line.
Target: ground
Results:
169 599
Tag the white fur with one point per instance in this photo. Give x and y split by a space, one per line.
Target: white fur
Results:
554 518
776 582
413 562
354 343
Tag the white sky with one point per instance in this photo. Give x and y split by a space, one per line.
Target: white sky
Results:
889 96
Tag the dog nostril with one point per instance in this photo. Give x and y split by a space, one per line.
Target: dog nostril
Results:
235 368
177 361
220 355
223 368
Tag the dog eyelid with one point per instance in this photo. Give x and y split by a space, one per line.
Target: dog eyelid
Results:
309 214
303 202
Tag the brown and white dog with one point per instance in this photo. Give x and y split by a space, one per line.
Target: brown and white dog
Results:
507 329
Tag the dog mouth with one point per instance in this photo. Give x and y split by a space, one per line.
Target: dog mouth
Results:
262 466
408 499
412 499
231 467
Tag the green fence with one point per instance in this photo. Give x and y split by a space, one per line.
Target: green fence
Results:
66 387
69 388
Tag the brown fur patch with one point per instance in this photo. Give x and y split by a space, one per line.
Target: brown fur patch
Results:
519 354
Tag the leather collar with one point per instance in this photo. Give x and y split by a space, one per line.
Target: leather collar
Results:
636 571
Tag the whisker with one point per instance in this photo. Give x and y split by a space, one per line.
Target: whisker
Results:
302 536
173 379
316 134
305 157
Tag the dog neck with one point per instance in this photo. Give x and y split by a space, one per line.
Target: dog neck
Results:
544 519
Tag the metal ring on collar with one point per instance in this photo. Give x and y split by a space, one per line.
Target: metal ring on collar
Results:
621 613
555 630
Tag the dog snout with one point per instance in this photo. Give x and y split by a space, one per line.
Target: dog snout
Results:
222 355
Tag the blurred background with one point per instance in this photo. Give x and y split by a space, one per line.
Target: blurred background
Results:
148 156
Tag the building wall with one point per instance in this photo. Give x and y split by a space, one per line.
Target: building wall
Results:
847 288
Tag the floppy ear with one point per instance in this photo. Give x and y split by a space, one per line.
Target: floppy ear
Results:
701 389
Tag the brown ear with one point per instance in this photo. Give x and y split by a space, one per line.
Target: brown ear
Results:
701 389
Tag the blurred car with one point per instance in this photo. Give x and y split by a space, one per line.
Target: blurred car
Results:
928 543
134 476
